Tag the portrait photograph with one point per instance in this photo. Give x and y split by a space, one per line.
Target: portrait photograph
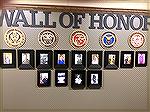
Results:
44 59
8 58
78 59
61 78
94 79
141 59
77 79
127 59
61 59
26 59
43 78
94 59
111 59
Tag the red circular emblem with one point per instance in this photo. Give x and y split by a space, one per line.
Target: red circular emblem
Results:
78 39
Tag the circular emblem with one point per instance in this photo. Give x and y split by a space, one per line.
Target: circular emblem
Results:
14 38
108 39
47 38
136 40
78 39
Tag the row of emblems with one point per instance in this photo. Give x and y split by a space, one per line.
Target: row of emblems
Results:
15 38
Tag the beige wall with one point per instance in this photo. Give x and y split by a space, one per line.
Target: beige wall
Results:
133 4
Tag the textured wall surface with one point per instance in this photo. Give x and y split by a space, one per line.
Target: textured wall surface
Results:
123 89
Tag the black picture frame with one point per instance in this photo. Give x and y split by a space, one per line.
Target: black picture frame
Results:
111 59
94 59
94 79
141 61
44 59
61 63
78 79
8 58
43 78
61 78
26 59
127 59
78 59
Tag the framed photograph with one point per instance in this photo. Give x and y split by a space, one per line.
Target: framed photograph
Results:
111 59
94 79
94 59
44 59
61 59
61 78
26 59
78 59
141 59
8 58
77 79
127 59
43 78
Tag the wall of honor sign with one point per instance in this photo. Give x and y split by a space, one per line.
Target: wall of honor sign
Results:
94 58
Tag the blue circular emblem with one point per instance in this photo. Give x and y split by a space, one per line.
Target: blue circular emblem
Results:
108 39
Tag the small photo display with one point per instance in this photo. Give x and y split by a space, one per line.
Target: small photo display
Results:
111 59
127 59
78 59
8 58
43 78
61 59
94 59
44 59
141 59
94 79
77 79
26 59
61 78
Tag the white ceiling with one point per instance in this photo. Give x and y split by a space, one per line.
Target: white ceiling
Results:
126 4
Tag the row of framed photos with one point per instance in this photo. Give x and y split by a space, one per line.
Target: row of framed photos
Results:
91 79
64 59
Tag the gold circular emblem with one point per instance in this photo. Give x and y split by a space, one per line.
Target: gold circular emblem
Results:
47 38
78 39
14 38
136 40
